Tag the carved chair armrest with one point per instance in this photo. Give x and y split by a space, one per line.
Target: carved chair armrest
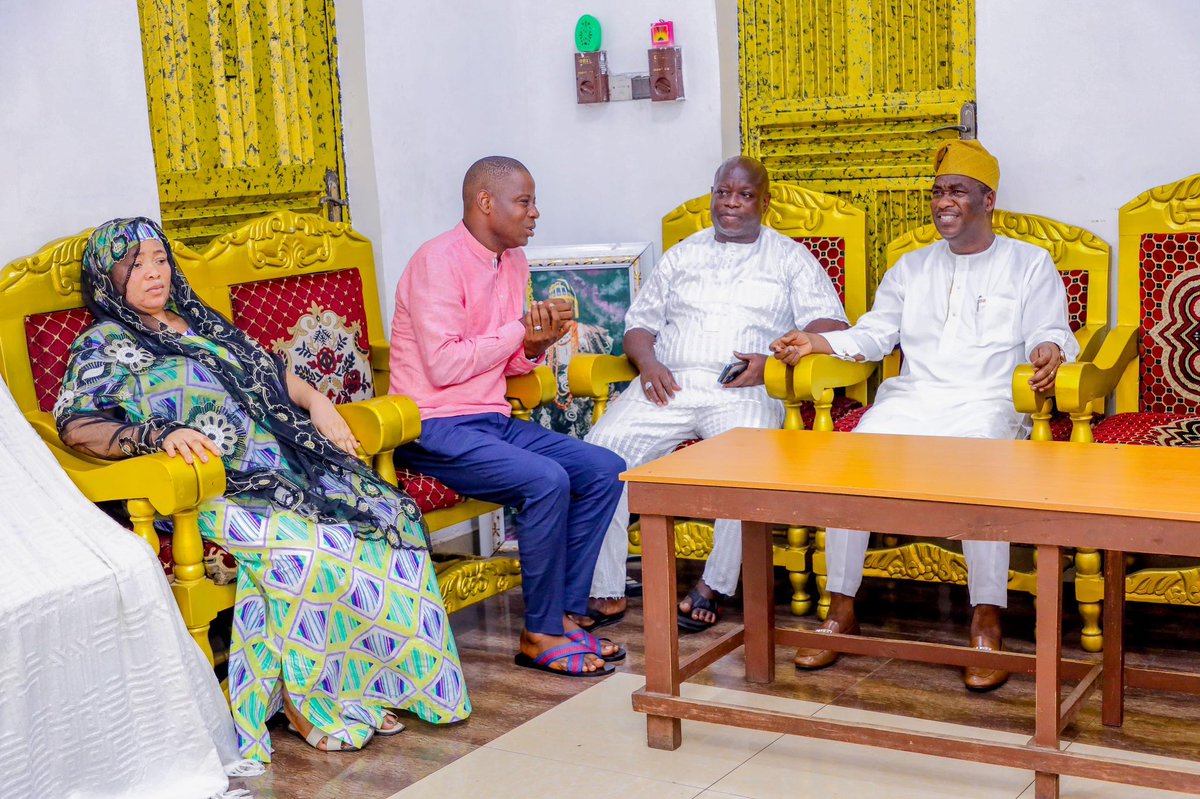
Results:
150 485
526 392
1080 387
383 423
592 376
813 380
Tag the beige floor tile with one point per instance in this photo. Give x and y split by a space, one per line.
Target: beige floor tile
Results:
797 766
1076 788
496 773
834 713
600 727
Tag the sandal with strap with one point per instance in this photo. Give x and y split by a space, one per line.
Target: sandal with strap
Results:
332 743
699 602
575 655
597 645
395 730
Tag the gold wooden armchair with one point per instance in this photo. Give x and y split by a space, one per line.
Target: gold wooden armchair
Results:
835 232
1150 360
41 315
1082 260
306 288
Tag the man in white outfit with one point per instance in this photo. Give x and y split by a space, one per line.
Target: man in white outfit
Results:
965 311
718 297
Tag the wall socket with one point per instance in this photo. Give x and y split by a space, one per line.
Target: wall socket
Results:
628 86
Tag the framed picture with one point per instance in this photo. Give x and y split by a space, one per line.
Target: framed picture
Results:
600 281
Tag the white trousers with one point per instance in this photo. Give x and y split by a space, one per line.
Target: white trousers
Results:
640 431
987 561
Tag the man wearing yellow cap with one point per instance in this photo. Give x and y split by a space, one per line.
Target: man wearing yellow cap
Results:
965 311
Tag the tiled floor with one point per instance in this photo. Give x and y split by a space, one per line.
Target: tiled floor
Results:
535 735
545 757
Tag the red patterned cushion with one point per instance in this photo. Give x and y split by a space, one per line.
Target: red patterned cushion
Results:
49 337
219 565
1076 283
1170 344
1156 429
318 322
429 494
831 252
841 407
688 443
849 420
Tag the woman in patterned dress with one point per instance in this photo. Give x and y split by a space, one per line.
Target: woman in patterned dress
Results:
339 618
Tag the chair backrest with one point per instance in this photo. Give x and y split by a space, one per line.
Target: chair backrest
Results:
1159 291
833 229
305 288
41 315
1082 260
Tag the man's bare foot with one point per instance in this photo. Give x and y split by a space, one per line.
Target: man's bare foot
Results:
607 647
534 644
599 611
700 614
305 727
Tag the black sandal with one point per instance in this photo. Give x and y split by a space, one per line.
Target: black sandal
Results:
699 602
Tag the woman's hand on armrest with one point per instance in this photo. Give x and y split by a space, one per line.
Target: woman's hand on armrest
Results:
189 443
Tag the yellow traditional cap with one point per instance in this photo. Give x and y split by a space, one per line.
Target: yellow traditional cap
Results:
967 157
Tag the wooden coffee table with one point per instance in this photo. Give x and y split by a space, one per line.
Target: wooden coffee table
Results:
1042 493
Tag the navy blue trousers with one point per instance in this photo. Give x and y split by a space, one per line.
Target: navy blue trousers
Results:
564 491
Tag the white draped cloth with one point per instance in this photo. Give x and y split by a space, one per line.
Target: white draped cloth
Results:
102 691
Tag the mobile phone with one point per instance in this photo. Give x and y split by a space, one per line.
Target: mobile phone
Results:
731 371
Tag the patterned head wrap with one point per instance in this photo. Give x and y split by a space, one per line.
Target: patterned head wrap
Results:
970 158
257 382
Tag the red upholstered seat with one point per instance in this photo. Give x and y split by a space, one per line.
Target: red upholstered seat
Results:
49 337
1169 349
1154 429
317 321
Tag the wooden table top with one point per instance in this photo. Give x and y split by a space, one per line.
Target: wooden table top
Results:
1111 479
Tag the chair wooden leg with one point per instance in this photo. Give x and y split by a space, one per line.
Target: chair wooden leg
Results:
1087 569
141 514
820 571
797 542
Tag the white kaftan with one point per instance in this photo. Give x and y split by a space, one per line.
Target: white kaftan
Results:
704 300
102 691
963 323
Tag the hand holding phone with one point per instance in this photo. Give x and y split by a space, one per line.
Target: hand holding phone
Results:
731 371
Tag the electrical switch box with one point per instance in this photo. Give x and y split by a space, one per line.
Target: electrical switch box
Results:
591 77
666 73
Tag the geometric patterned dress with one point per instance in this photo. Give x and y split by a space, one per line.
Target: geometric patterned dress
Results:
352 627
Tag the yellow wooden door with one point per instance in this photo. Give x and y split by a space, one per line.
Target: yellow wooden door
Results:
845 96
244 110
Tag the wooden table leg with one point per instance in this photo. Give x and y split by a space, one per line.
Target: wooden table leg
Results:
662 634
1048 669
1113 709
758 589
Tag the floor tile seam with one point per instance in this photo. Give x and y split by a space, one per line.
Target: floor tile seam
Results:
600 769
854 684
778 737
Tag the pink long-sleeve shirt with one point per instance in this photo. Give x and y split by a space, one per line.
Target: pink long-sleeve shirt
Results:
457 330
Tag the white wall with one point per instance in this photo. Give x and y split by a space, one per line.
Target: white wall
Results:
1087 103
448 83
74 133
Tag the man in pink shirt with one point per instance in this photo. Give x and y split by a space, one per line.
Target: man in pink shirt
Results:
459 329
